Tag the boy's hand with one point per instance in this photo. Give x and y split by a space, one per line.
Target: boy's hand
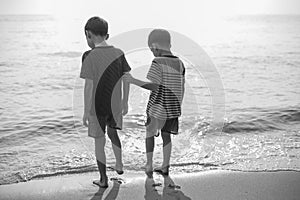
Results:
124 108
128 78
85 119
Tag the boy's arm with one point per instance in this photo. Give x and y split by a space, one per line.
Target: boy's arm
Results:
183 90
88 95
125 97
87 74
183 82
146 85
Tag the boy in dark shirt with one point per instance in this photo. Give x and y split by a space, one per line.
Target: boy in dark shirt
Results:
105 100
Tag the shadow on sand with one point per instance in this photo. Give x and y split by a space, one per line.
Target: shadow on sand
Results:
112 195
170 190
153 190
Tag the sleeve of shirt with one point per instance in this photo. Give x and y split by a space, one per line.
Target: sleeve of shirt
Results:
155 73
85 54
125 65
86 68
183 70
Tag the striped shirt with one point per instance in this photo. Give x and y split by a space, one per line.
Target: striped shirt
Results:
165 102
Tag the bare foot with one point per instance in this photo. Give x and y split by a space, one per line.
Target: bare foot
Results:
119 169
149 171
101 183
162 170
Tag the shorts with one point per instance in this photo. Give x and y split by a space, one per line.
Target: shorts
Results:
97 128
154 125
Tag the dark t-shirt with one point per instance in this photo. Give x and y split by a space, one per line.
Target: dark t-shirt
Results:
105 65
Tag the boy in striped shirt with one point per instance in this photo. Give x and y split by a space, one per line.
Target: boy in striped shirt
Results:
166 76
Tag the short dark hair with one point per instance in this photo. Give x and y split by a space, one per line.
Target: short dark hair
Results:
97 26
160 36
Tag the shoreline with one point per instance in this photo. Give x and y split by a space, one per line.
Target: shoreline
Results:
140 172
213 184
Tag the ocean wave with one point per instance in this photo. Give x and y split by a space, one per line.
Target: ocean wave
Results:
267 170
26 131
258 121
249 121
73 170
258 125
176 168
265 120
288 115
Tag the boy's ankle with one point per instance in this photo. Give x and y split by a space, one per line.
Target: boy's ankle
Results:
104 178
164 165
119 164
149 165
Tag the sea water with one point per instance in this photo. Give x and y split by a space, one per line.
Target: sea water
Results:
258 61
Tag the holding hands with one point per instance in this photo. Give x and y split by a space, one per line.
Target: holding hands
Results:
127 77
124 108
85 119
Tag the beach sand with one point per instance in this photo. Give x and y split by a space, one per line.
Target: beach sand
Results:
215 184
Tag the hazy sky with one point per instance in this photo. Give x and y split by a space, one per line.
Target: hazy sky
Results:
131 7
194 18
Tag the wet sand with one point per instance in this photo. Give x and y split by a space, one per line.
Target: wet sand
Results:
208 185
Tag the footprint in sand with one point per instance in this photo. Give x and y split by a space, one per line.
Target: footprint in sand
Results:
178 187
156 185
118 180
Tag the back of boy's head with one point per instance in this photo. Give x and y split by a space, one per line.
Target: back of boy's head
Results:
159 36
97 26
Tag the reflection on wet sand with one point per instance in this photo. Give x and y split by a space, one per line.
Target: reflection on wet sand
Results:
154 190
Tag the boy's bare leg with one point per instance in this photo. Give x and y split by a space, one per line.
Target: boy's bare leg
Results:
117 148
149 151
167 148
101 159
